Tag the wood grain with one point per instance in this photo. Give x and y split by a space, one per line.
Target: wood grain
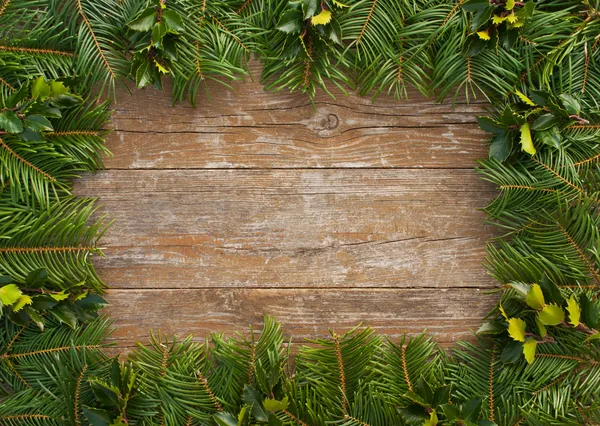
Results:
292 228
323 215
447 314
249 128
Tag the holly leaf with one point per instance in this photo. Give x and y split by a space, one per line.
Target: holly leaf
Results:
58 88
541 328
589 311
595 336
59 296
65 315
501 147
37 123
526 142
290 22
97 417
322 18
275 405
490 125
535 297
107 395
551 137
481 17
529 350
21 302
570 103
524 98
544 122
37 278
145 21
173 20
551 315
491 327
40 89
475 5
9 294
574 311
10 122
309 8
516 329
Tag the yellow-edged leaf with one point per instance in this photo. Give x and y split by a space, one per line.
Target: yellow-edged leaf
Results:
529 350
59 296
541 328
322 18
9 294
535 297
526 141
433 419
503 312
524 98
484 35
497 20
339 4
551 315
510 4
23 300
516 329
512 18
574 311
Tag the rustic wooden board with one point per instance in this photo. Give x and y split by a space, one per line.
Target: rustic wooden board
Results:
447 314
248 127
324 215
292 228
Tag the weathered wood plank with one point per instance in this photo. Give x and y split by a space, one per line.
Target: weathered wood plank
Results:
447 314
292 228
249 128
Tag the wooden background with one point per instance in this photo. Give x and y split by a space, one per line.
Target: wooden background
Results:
324 216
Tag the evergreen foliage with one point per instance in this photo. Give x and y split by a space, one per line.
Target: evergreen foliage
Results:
536 359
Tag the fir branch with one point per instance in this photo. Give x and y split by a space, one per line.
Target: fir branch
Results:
35 51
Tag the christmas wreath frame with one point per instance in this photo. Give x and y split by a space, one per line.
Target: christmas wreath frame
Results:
536 360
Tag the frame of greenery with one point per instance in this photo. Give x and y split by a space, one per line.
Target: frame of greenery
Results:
536 360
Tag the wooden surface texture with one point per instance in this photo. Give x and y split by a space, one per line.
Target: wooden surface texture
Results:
324 216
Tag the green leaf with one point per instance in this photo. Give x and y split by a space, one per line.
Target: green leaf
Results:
471 409
274 405
475 5
540 97
491 327
551 137
66 101
107 395
524 98
37 278
516 329
522 289
551 291
36 318
309 8
169 48
144 74
440 396
91 302
14 99
58 88
290 22
37 123
574 311
529 350
252 396
570 103
173 20
589 312
451 412
491 126
97 417
551 315
225 419
145 21
9 294
535 297
595 336
40 89
544 122
526 142
481 17
65 315
158 32
10 122
334 32
501 147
